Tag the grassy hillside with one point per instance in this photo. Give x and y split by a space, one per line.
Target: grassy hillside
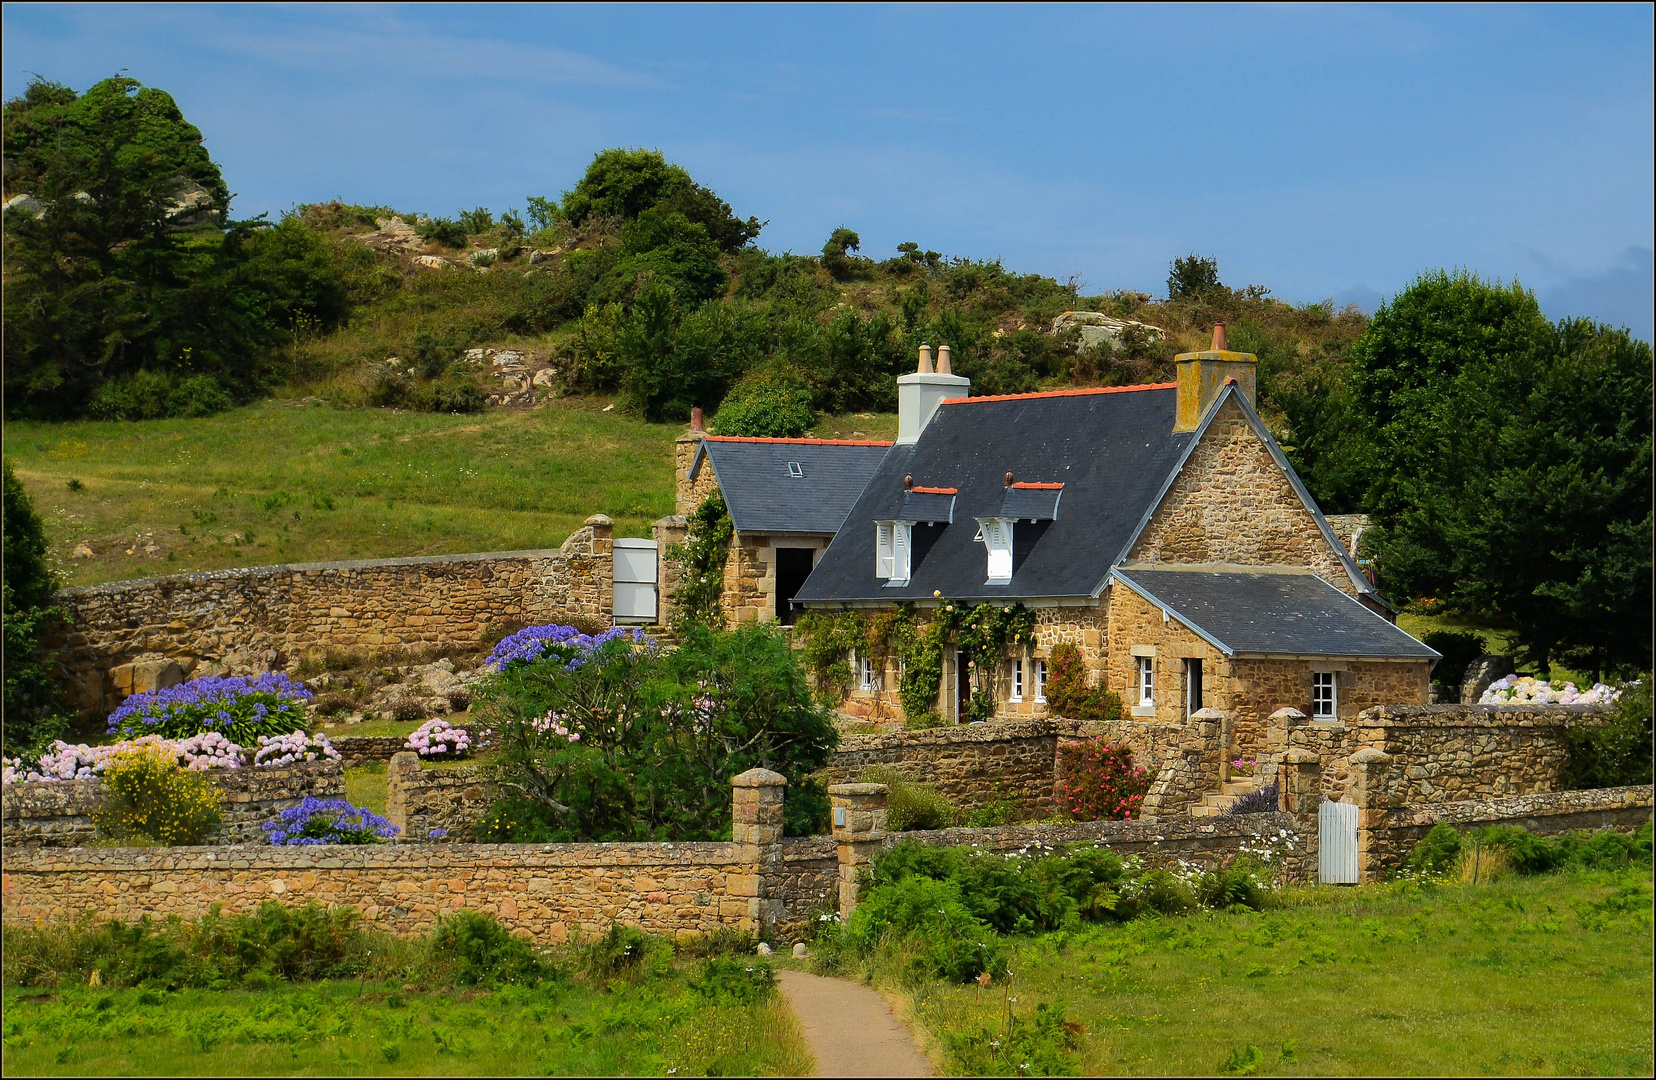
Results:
282 481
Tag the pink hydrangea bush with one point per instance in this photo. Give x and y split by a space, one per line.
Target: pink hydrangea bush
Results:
78 761
439 738
1513 690
276 751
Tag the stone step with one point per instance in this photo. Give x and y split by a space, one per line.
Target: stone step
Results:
1200 810
1246 786
1223 802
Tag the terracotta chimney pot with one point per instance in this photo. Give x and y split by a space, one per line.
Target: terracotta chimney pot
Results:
943 360
925 367
1219 337
696 422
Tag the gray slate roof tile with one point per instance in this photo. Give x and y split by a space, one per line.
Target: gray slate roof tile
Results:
765 496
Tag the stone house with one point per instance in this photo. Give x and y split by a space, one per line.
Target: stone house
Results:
786 497
1159 528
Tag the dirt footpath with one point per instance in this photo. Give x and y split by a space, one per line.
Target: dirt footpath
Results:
850 1029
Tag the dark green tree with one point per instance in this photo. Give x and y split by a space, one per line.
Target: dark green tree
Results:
1191 276
27 586
1511 467
120 262
836 253
623 184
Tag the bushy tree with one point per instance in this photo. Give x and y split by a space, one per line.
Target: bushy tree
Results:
625 741
1192 276
1511 467
27 586
623 184
770 402
121 262
836 253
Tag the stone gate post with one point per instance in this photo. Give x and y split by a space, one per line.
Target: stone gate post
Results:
404 763
756 829
1369 769
1299 792
859 830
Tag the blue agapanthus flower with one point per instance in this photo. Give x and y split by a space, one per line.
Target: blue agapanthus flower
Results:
564 643
316 822
239 707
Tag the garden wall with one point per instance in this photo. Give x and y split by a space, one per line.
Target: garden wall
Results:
1386 836
266 617
60 815
1450 753
450 799
974 765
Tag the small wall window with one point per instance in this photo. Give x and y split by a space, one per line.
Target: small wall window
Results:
867 678
1040 681
1325 697
1146 680
1193 686
1017 679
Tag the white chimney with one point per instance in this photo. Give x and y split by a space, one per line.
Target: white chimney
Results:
919 394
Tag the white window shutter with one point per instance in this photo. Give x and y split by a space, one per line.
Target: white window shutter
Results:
902 542
997 538
883 543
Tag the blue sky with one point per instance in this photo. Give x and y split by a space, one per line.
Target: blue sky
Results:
1322 152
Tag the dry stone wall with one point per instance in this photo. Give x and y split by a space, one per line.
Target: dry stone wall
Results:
1452 753
60 814
973 765
268 617
443 803
1386 837
550 893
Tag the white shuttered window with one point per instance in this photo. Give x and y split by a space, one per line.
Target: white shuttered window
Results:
996 534
902 536
884 543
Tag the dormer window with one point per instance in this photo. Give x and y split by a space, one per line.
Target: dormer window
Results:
893 542
996 535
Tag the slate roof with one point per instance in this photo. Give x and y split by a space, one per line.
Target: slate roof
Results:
764 496
1272 613
1113 449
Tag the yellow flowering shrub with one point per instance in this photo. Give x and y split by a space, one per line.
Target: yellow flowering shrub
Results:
149 796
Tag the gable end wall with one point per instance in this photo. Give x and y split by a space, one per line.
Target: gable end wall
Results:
1232 504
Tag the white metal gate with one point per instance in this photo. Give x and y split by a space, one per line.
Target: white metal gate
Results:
635 581
1337 844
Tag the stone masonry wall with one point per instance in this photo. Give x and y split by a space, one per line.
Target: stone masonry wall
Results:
1262 686
1231 504
266 617
1449 753
546 892
973 765
449 799
810 872
1386 836
60 815
1206 842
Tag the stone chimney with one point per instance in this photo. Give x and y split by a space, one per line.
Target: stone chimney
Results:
919 394
1203 375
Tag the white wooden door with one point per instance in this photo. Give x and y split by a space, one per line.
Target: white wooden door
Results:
1337 844
635 581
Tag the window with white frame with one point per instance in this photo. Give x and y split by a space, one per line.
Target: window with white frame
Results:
996 535
1040 681
893 541
1017 679
1325 697
1146 680
867 677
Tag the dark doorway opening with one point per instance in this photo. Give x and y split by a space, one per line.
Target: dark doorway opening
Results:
793 566
1193 687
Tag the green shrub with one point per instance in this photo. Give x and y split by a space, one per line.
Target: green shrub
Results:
32 697
621 952
149 796
947 940
911 806
1101 783
1070 696
771 402
1617 753
1236 885
1041 1042
478 950
445 231
154 395
722 979
1437 852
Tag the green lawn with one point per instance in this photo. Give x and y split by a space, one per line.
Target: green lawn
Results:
375 1029
1547 975
279 481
